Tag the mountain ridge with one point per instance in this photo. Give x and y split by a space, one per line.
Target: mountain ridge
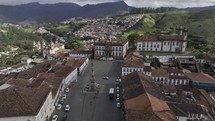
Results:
41 13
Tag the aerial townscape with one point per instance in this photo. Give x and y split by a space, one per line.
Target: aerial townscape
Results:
107 61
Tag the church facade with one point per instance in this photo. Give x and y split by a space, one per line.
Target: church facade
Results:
164 43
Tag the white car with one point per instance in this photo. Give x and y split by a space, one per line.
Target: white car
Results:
59 106
117 100
118 105
106 77
67 108
67 90
54 118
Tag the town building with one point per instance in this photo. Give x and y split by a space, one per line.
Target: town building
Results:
146 100
169 76
136 63
113 49
201 81
163 43
143 99
18 104
177 77
160 75
46 81
81 53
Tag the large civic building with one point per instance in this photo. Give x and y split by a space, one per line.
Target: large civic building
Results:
164 43
115 49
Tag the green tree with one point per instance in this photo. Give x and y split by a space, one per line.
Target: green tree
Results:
132 38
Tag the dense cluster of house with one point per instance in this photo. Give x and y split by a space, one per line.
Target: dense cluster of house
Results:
165 94
149 94
46 81
102 28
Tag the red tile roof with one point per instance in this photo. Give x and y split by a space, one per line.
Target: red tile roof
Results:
143 99
201 77
161 38
134 61
18 101
159 73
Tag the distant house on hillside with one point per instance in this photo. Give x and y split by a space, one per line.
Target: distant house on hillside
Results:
164 43
115 49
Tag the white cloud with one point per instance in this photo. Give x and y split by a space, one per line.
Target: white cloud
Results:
170 3
81 2
136 3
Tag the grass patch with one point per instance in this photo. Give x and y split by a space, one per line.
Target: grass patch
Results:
29 29
145 25
63 28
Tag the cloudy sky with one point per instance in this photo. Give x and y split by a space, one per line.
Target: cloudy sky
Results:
136 3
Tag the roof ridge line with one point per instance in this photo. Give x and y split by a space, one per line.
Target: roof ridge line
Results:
23 99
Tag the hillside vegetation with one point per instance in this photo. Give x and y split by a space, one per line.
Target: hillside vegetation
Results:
200 26
13 36
199 23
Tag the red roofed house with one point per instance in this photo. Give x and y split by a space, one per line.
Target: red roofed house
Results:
26 103
201 81
136 63
143 99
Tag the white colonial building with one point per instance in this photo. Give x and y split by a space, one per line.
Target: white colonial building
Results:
169 76
136 63
116 49
163 43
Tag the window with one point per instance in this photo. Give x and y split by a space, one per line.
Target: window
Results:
173 43
164 43
177 43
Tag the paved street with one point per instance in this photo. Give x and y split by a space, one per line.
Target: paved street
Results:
89 106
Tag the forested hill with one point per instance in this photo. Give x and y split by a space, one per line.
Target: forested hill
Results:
34 13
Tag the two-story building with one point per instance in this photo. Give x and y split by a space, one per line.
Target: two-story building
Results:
115 49
136 63
201 81
163 43
18 104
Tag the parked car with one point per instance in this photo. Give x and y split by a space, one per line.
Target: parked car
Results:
59 106
64 96
67 90
54 118
106 77
117 91
118 105
61 101
117 99
67 108
117 95
117 87
64 117
117 84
